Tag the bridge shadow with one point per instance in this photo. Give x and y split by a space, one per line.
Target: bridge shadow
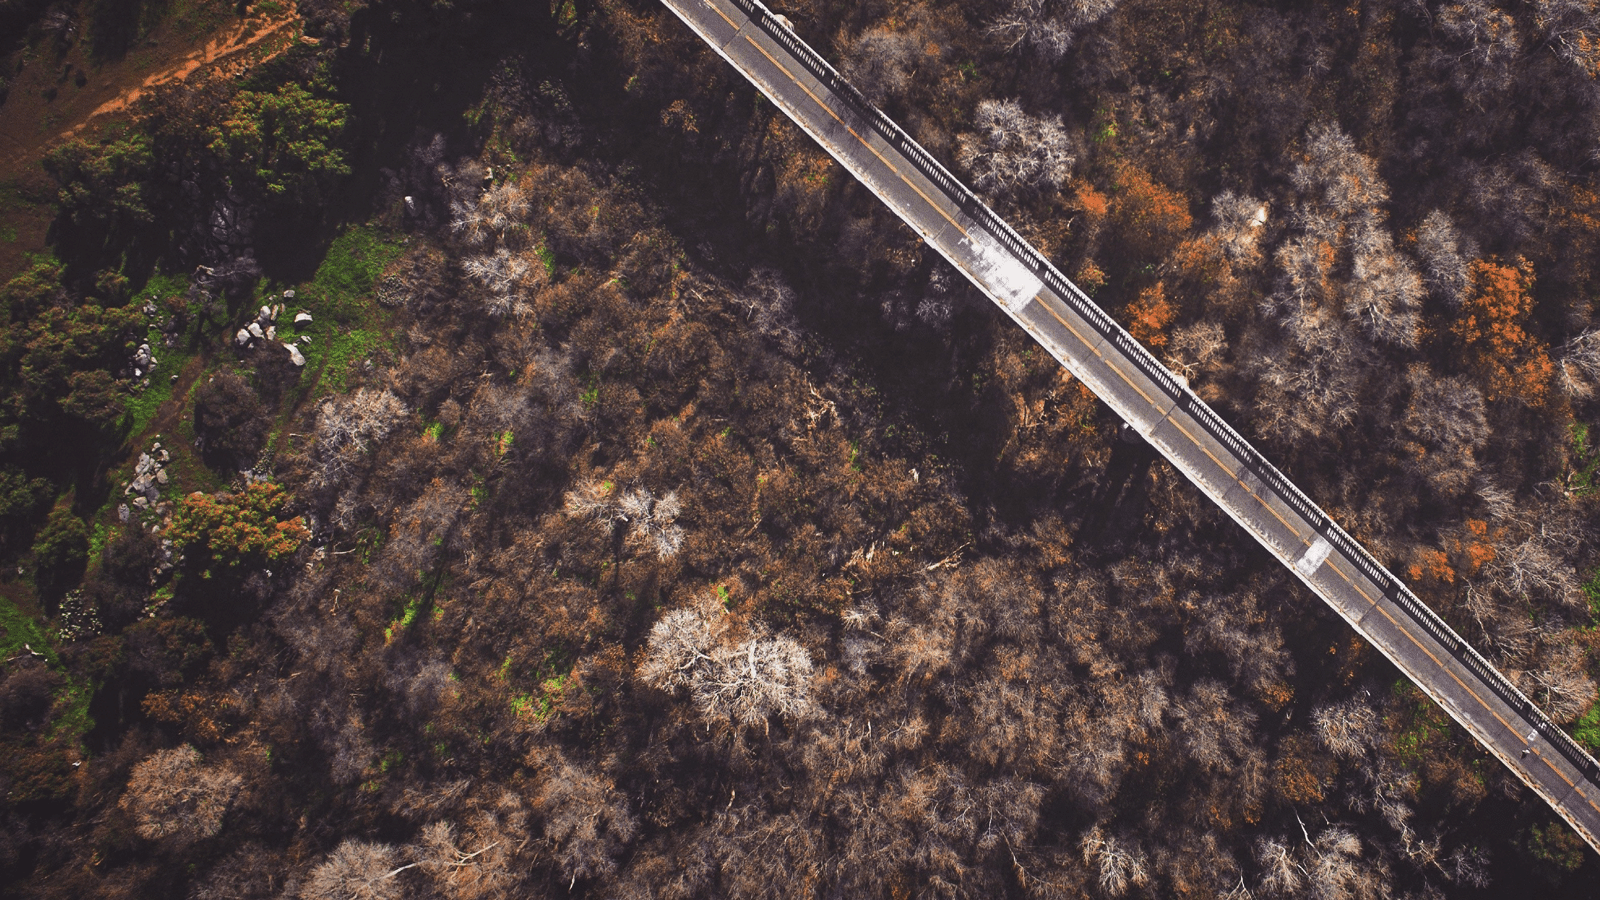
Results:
1118 507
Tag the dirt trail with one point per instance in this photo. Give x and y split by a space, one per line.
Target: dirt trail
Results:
45 107
220 47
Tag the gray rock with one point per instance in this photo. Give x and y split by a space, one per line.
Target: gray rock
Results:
243 337
265 316
145 464
124 513
288 295
303 318
141 503
161 476
255 330
272 332
295 356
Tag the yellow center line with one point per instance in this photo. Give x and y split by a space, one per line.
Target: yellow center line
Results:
722 14
1229 472
1347 580
1375 604
1436 661
870 149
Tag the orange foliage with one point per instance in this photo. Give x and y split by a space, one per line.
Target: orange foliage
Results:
1431 565
1151 217
1149 316
1275 695
1090 276
1301 774
1093 203
202 718
1474 550
1512 363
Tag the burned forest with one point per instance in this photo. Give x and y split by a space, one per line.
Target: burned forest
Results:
474 449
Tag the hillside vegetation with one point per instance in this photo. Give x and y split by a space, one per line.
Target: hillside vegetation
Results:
482 449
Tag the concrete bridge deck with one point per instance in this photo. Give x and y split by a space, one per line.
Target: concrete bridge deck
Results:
1153 401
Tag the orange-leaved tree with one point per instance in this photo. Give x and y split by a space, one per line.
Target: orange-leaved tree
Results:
231 529
1491 334
1149 316
1149 217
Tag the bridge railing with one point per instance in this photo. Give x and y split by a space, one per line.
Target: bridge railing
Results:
980 213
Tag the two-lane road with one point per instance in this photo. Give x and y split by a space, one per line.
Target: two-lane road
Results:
1157 404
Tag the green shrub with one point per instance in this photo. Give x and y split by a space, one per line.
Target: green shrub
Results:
232 529
60 550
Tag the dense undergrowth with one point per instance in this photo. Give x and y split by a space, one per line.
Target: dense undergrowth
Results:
653 516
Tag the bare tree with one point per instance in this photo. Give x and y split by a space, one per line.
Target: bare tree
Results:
1239 222
492 216
358 421
586 820
509 276
1529 569
1580 365
1194 347
741 681
1347 729
357 870
768 303
680 645
1013 153
173 798
1334 174
652 520
1117 866
475 863
1487 34
1047 28
1444 413
751 681
881 63
593 501
1565 690
1030 26
1336 871
1385 289
1216 731
1281 874
1447 257
1572 28
1316 385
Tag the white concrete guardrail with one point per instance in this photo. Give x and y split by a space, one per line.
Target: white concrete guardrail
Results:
1122 373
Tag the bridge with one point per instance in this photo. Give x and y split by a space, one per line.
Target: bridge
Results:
1153 401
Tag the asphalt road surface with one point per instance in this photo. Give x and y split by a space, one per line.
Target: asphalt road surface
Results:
1154 402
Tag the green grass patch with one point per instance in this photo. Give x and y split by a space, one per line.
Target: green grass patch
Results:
143 406
347 324
1587 729
19 633
1584 463
342 288
408 615
340 352
1423 728
18 628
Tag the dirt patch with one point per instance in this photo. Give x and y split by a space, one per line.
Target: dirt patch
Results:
219 49
58 94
